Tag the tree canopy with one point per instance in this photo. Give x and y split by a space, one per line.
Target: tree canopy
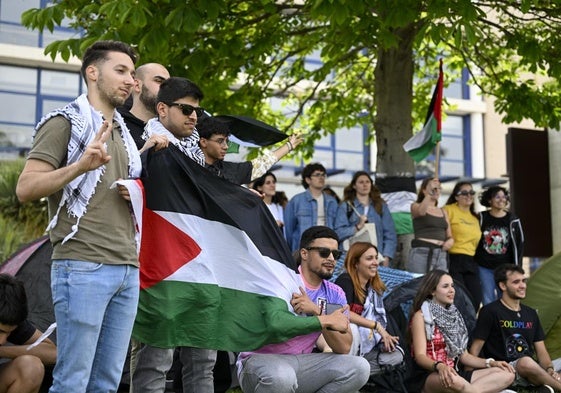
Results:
378 59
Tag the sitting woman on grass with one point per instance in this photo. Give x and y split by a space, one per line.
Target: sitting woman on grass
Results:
439 340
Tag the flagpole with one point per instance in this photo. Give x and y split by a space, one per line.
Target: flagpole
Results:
437 159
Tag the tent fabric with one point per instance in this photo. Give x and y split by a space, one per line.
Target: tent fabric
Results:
401 297
544 294
32 265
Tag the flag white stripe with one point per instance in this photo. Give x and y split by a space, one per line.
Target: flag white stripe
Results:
252 271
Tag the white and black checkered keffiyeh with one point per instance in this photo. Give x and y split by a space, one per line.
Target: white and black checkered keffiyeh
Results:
373 310
85 122
188 145
450 322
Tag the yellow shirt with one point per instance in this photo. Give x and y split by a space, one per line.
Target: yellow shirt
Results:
465 230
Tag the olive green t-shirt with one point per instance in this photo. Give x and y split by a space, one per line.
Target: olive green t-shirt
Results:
106 231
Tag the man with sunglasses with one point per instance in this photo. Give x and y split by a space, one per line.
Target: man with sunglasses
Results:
309 208
214 143
178 111
508 330
291 366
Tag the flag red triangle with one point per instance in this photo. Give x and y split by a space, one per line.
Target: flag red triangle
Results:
164 249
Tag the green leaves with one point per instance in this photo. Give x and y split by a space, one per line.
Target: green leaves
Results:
318 57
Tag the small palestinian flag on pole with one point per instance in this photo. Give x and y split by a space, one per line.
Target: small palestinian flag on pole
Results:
422 143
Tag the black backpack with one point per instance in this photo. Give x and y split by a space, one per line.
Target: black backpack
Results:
393 377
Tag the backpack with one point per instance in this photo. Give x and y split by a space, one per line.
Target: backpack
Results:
393 378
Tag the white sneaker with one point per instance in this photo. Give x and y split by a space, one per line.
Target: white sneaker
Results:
545 389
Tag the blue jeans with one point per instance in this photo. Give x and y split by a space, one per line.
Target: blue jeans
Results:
95 305
489 289
304 373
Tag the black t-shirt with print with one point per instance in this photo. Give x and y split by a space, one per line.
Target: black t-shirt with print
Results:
495 246
508 336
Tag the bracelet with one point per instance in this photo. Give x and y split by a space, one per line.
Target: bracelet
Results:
435 365
374 327
290 147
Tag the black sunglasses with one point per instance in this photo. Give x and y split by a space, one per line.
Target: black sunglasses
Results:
188 109
466 193
324 252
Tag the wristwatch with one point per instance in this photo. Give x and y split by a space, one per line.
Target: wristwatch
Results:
488 362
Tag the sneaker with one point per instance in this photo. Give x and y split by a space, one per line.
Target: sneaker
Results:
545 389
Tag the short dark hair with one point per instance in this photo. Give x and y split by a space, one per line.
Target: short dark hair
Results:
13 301
210 126
98 51
309 169
501 273
176 87
317 232
490 193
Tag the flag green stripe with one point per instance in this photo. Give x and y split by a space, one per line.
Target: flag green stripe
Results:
424 150
209 317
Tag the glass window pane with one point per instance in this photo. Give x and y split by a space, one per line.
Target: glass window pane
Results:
60 83
58 34
50 105
18 35
19 136
17 108
454 90
325 157
348 160
453 125
449 168
18 79
452 148
11 10
349 139
324 141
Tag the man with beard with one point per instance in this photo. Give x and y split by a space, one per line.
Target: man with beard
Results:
144 95
509 330
291 366
78 152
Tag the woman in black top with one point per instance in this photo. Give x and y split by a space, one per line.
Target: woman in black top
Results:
502 239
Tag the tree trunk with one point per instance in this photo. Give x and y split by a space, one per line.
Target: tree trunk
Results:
394 101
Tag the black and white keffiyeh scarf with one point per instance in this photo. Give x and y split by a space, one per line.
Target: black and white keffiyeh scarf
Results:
85 122
373 310
188 145
451 324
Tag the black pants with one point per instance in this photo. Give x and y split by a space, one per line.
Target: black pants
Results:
464 270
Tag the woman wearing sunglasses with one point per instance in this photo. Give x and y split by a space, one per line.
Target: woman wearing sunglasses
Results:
364 288
466 232
502 239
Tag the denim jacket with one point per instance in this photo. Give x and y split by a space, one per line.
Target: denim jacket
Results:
345 225
301 213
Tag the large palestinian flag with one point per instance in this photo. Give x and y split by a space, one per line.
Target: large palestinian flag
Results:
215 271
421 144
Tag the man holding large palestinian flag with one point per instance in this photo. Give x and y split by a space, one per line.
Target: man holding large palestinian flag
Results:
421 144
215 270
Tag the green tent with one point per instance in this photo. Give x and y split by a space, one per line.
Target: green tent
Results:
544 294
